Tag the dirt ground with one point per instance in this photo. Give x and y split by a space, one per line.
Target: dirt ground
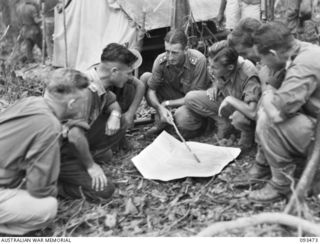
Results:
142 207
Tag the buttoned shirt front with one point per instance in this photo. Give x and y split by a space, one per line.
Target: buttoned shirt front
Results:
243 83
191 76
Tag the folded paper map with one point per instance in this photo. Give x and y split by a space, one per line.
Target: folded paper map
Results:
166 158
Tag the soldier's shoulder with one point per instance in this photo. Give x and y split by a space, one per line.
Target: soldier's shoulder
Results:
195 56
162 58
247 66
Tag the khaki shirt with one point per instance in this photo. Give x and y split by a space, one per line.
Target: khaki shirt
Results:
300 90
98 98
192 76
243 84
29 147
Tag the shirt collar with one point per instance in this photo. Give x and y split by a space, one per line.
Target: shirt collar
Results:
96 84
187 61
294 54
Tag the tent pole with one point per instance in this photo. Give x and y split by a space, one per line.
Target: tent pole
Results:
144 14
43 33
173 14
180 14
65 34
264 11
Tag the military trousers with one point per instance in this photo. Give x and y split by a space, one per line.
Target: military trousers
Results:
21 213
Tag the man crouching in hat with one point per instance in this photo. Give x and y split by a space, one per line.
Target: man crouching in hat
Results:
30 132
81 173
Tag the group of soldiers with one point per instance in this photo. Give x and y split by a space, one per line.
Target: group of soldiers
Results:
261 84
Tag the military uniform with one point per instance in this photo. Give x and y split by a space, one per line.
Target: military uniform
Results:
298 102
243 84
29 166
28 16
95 113
171 82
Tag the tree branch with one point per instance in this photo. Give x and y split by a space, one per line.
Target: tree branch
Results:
270 218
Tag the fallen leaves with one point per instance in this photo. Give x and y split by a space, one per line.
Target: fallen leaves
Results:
130 208
111 220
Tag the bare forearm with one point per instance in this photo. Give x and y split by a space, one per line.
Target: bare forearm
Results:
249 110
153 99
114 106
175 103
140 91
80 144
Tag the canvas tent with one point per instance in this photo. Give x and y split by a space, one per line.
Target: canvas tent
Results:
92 24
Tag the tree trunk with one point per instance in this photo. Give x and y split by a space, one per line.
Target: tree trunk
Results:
180 13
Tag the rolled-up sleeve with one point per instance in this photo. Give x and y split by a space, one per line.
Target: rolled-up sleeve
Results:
252 90
157 75
295 90
201 80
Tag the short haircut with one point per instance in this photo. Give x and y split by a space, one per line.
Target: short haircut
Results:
243 32
273 35
224 55
176 36
65 81
115 52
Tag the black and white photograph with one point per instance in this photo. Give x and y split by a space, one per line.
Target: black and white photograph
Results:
135 120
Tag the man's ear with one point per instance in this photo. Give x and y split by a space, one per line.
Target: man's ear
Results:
230 67
71 102
114 69
273 52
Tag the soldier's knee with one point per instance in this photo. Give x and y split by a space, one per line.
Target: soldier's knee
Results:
190 97
239 121
47 211
180 115
186 119
193 99
145 77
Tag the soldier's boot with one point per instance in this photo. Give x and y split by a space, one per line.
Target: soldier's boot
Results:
224 128
256 173
277 188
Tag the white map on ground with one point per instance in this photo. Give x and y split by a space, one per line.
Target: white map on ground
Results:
166 158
